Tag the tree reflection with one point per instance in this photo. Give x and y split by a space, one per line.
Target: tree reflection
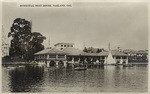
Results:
24 79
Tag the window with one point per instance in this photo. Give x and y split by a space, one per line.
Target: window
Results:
103 57
71 45
64 45
124 57
61 45
61 56
118 57
61 48
68 45
52 56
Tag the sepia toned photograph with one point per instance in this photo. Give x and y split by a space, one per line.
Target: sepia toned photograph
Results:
74 47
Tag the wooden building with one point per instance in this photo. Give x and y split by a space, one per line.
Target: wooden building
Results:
55 57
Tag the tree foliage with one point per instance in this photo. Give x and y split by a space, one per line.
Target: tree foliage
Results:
93 50
85 49
24 43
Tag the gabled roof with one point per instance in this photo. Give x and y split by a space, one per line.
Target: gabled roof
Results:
50 51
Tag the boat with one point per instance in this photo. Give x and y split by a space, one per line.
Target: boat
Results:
128 65
20 66
41 63
80 68
11 67
109 60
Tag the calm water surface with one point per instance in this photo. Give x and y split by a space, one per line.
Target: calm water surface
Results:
35 78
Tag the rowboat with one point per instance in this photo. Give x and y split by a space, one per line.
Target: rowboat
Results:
80 68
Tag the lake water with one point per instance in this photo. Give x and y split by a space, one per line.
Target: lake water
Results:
34 78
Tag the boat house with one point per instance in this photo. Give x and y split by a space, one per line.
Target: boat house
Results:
71 55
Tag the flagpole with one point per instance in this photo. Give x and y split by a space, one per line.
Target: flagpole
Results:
109 46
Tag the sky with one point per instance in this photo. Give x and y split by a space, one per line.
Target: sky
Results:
124 25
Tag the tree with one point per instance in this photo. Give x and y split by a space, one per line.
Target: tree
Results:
24 43
85 49
35 44
99 50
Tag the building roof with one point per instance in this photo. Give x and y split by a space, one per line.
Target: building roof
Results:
113 52
75 52
50 51
72 51
64 43
142 52
89 54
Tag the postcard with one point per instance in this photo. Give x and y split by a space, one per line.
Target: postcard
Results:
74 46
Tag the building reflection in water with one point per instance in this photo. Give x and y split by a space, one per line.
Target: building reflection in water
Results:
61 79
68 80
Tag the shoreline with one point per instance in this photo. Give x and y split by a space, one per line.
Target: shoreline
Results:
20 63
31 63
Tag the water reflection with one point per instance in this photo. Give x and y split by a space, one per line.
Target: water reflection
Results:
24 79
61 79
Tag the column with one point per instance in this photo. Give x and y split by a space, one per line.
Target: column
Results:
48 63
73 60
115 59
85 59
79 60
65 57
105 60
56 56
47 56
56 63
127 60
65 63
100 58
121 61
91 59
97 61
